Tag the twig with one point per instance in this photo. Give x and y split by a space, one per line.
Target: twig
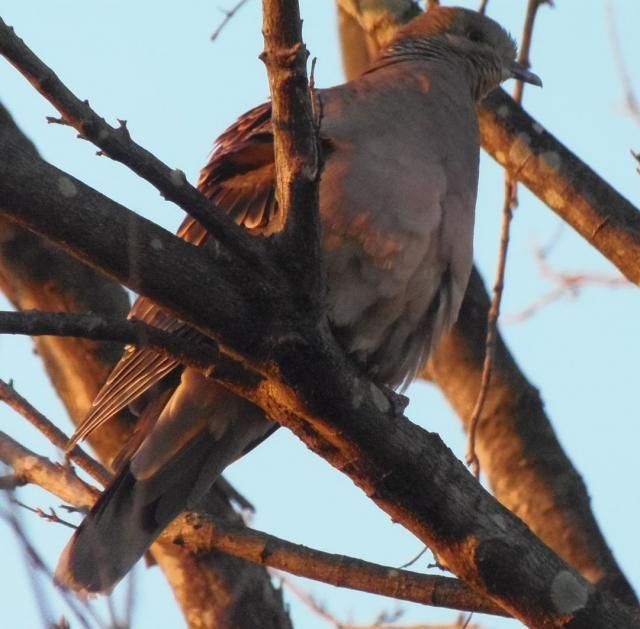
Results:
412 561
510 201
50 516
483 7
35 560
310 601
492 327
566 284
228 14
202 354
525 43
19 404
338 570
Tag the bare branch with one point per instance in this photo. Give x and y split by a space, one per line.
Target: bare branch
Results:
510 202
201 534
338 570
566 284
10 396
492 326
59 480
228 14
202 354
295 143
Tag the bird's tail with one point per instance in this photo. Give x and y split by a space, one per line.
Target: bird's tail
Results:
130 514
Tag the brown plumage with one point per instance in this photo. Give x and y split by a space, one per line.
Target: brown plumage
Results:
397 199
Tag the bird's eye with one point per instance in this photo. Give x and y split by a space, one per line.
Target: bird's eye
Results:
474 36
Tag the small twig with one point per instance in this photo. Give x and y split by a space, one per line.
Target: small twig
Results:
492 327
412 561
36 561
228 14
566 284
50 516
483 7
510 202
526 41
309 600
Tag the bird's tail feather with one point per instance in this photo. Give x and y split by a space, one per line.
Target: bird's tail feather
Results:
131 513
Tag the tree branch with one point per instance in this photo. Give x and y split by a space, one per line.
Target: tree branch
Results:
202 534
11 397
295 145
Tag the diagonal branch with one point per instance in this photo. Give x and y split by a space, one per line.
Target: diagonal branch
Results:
11 397
201 534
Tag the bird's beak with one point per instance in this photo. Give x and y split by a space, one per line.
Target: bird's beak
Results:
519 72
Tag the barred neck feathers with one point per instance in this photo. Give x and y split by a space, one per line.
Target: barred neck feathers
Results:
473 42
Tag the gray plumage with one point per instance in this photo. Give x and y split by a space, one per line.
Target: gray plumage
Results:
397 198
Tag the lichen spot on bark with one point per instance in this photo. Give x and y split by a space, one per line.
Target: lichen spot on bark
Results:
66 187
568 594
178 178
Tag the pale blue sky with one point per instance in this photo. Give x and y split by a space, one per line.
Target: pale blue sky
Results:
152 64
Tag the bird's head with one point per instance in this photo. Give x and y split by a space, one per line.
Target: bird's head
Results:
486 49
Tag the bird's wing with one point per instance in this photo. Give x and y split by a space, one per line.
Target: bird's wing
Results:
239 178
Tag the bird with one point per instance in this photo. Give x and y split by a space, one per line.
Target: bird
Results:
400 150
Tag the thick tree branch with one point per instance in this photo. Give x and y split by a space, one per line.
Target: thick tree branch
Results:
600 214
